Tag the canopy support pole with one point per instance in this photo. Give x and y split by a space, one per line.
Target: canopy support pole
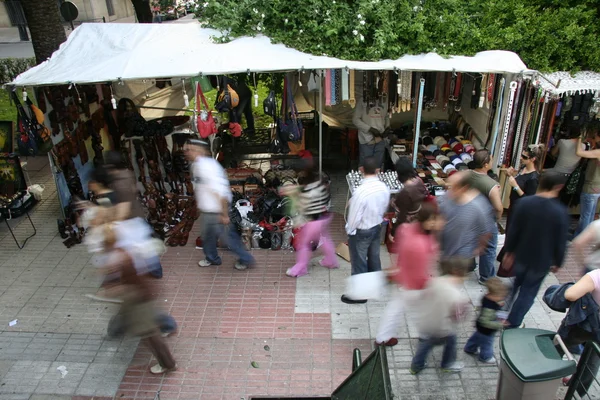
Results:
418 122
320 122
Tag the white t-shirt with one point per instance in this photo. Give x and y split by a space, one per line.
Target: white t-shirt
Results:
210 184
592 261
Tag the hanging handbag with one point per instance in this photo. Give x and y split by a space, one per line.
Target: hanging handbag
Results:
204 119
313 82
270 105
227 99
26 141
289 125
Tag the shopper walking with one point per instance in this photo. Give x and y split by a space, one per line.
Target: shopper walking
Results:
481 343
590 193
417 250
368 204
443 307
314 200
137 312
468 219
490 189
213 197
407 202
535 243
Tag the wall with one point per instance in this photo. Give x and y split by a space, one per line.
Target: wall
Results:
96 9
4 20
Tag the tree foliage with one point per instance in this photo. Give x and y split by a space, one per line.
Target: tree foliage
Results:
547 34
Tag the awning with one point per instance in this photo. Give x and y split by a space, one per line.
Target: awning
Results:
96 53
579 83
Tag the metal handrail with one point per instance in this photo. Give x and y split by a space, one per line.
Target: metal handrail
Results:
585 377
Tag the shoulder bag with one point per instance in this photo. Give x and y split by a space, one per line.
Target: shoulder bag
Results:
289 125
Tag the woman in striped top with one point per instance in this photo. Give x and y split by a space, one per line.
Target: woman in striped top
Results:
314 200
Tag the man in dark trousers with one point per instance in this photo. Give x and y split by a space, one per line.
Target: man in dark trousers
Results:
536 243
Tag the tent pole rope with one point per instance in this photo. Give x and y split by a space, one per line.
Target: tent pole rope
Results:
418 122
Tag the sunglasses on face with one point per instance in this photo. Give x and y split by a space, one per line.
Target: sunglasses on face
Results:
524 157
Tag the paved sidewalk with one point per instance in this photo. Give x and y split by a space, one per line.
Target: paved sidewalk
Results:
296 331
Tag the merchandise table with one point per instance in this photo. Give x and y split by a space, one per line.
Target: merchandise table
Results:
354 180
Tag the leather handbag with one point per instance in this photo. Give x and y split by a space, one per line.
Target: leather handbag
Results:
204 119
227 99
289 125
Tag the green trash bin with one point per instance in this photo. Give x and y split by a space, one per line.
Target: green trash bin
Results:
530 366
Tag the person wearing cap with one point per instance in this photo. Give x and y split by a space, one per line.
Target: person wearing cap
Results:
490 189
213 196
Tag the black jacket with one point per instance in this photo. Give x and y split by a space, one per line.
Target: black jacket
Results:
582 313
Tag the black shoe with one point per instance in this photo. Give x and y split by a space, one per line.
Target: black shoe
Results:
348 300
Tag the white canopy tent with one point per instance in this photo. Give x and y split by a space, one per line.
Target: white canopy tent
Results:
100 53
96 53
579 83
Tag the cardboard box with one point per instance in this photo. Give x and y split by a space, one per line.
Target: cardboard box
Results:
343 251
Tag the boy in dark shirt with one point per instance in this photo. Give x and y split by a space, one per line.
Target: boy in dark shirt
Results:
488 322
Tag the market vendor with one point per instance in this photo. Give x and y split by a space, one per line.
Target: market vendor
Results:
371 120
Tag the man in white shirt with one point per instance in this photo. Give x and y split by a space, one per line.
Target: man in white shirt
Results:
368 204
213 195
371 122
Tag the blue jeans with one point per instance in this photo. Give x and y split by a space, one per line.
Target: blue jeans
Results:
588 205
425 346
525 288
364 250
212 230
376 150
487 260
483 343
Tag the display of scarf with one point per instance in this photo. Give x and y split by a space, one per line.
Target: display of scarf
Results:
334 85
345 94
519 129
439 91
405 91
447 89
327 87
490 89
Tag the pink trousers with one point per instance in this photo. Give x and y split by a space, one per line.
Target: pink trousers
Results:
311 232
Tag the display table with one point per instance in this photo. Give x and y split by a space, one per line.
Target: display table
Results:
354 179
17 207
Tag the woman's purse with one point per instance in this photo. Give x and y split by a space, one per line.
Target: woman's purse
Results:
204 119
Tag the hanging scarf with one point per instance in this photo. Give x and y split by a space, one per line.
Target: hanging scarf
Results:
328 87
352 99
345 94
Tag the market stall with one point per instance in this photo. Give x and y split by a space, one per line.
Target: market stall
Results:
127 56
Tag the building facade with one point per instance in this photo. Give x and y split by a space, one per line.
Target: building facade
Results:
89 11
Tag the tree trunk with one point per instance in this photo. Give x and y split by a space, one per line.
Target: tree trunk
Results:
47 31
142 11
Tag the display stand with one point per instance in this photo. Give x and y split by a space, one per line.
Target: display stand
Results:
7 215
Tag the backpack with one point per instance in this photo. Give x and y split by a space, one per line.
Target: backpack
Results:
227 99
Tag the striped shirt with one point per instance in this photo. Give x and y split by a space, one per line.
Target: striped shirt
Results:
314 199
368 204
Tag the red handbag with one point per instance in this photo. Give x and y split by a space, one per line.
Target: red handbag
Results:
204 119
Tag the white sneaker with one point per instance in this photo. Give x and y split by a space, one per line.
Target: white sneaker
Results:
204 263
157 369
491 360
239 266
454 367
